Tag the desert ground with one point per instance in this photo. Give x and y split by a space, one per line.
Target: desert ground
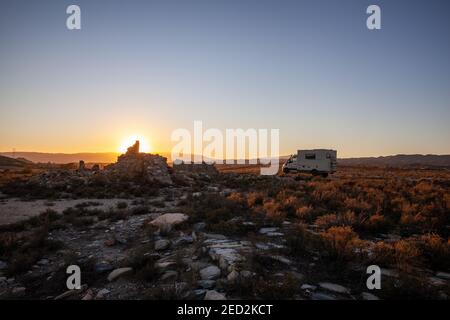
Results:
223 232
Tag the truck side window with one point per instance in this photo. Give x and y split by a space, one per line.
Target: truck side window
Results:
310 156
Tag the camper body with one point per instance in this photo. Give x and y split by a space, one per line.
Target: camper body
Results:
316 161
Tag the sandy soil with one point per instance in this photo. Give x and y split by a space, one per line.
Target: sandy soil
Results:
13 210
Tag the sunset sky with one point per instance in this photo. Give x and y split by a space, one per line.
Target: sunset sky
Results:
307 67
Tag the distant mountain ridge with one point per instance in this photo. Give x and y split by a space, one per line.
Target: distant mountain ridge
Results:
42 157
399 160
11 162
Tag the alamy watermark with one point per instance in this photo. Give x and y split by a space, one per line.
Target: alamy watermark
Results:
73 21
236 146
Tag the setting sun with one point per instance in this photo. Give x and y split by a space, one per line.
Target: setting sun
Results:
129 141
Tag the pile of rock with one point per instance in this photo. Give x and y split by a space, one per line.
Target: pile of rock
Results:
147 167
59 179
132 166
143 166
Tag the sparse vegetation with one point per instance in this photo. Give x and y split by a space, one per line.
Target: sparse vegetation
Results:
326 228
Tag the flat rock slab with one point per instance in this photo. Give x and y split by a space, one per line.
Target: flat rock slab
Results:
322 296
443 275
119 273
171 219
268 230
226 252
214 295
334 287
14 210
369 296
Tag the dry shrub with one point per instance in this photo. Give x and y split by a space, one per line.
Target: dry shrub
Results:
436 251
165 292
376 223
273 210
255 199
341 243
237 197
299 241
142 263
357 205
264 287
402 254
305 213
383 253
213 208
8 243
332 220
406 253
327 221
423 187
31 250
273 289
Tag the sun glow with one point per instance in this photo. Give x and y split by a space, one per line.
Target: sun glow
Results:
144 146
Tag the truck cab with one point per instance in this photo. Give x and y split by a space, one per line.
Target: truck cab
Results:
315 161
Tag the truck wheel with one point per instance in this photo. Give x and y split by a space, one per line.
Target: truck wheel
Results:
314 172
324 174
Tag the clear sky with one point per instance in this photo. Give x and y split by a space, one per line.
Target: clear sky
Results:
308 67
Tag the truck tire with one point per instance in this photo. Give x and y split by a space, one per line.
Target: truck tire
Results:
314 172
324 174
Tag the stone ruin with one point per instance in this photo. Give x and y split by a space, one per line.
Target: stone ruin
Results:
134 149
143 166
133 166
190 172
81 166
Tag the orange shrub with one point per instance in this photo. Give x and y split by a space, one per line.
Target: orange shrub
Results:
255 199
376 223
331 220
305 213
272 210
341 243
435 250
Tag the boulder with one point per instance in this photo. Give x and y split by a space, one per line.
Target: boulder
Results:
103 267
170 219
214 295
443 275
117 273
19 291
162 244
210 273
3 265
233 276
369 296
206 284
308 287
169 275
102 293
321 296
334 287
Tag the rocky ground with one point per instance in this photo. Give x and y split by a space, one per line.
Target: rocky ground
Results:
186 263
162 253
207 235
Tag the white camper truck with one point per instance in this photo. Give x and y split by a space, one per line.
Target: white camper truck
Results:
316 161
